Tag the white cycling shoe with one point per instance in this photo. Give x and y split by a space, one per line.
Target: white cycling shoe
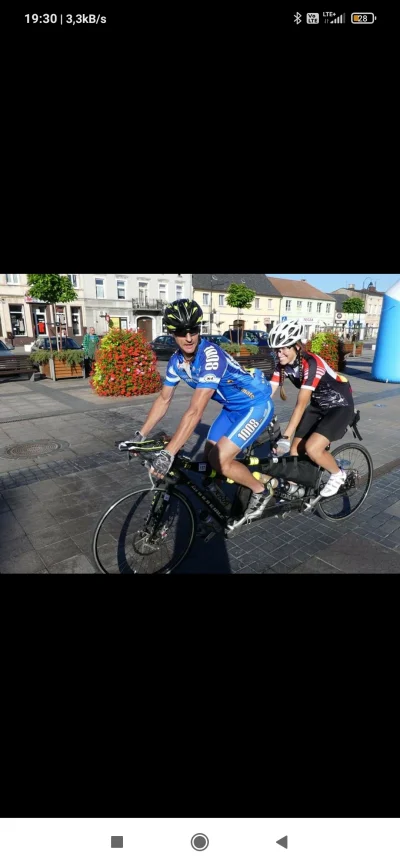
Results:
334 484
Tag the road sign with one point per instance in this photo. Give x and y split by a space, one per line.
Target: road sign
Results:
351 324
284 318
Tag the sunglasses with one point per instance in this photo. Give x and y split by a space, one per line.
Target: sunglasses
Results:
185 331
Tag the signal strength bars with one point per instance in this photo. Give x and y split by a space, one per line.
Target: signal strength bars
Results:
340 19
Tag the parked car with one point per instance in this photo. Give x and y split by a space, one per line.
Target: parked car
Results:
44 343
217 338
252 337
164 346
5 350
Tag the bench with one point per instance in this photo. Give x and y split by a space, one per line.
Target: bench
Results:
264 360
15 365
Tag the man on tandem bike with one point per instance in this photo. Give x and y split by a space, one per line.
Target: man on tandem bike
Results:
247 408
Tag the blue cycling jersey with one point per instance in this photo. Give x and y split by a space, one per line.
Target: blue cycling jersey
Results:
214 368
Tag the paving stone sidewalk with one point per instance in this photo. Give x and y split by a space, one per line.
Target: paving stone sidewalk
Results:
50 504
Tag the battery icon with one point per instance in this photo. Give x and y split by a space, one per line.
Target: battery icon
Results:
363 17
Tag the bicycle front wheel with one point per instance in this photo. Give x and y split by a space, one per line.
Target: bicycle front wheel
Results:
356 461
148 531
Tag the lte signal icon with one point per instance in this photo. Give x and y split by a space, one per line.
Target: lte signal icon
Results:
312 17
329 14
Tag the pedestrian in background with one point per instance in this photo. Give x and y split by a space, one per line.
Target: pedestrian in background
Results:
90 344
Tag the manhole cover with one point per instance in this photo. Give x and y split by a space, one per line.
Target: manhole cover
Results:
35 449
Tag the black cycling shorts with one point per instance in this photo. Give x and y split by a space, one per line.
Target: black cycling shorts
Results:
332 424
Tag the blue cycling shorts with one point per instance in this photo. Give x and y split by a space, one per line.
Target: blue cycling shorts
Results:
242 428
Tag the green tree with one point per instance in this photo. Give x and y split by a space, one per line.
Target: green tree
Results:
353 305
51 289
240 297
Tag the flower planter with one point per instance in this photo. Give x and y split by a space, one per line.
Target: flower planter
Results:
348 349
56 369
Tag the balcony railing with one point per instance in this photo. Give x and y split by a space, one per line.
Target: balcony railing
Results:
147 304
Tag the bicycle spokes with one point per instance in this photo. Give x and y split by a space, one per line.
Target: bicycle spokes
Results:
356 462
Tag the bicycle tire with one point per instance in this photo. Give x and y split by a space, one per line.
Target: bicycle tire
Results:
105 555
330 508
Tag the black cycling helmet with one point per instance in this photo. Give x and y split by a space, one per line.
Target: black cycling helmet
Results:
182 314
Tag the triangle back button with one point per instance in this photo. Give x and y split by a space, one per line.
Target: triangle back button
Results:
283 842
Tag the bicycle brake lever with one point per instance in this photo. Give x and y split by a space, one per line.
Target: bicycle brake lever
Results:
151 475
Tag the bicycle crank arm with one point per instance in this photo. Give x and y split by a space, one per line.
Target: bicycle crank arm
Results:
309 506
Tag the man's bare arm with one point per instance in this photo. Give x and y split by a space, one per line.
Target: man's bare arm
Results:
158 409
190 419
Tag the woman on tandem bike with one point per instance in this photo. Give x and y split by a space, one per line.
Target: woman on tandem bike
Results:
324 408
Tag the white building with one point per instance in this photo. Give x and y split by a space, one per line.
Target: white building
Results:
131 300
302 301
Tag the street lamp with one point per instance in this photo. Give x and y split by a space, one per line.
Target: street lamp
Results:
370 281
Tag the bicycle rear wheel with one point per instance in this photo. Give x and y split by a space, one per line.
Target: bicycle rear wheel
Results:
356 461
148 531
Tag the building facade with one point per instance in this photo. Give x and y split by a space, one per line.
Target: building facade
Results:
23 318
131 300
367 323
210 290
302 301
104 300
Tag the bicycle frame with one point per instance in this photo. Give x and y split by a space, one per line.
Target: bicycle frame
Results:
177 475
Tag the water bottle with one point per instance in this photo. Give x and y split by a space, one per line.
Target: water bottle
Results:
295 491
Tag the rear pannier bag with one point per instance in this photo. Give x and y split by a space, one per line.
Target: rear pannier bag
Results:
300 469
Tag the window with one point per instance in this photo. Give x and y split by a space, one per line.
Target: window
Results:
309 306
99 288
257 303
270 303
17 316
288 305
328 308
76 324
319 308
74 280
163 292
123 323
178 293
13 278
121 286
206 299
299 305
221 300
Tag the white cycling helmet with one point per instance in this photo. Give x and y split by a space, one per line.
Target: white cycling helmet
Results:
285 334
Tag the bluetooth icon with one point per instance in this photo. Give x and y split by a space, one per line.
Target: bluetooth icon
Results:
297 18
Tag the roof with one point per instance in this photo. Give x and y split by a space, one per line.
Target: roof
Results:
296 289
354 293
258 282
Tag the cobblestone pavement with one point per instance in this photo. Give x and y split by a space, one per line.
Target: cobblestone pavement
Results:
50 504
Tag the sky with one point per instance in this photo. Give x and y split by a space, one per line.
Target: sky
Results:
330 282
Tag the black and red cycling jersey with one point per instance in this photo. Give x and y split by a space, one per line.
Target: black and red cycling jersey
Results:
330 389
